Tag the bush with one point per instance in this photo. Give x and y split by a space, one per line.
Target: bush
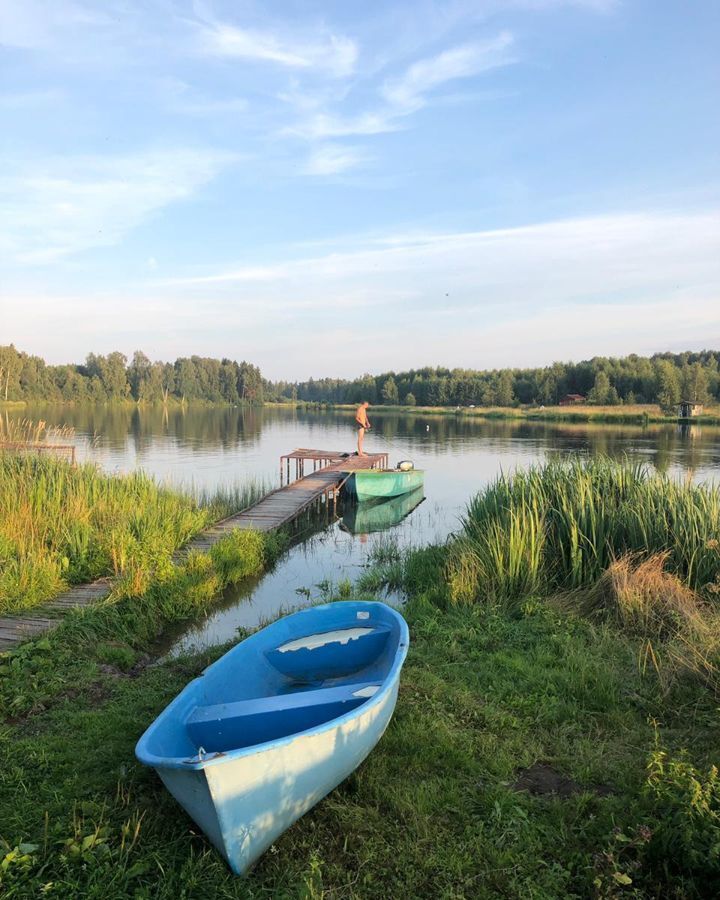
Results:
686 833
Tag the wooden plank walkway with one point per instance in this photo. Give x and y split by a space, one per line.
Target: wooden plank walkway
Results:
272 511
17 628
281 506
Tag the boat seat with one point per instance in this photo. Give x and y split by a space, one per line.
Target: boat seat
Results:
330 654
228 726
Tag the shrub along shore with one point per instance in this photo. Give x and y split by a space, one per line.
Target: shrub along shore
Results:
555 735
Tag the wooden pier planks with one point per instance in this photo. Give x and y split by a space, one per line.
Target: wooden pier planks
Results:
38 621
274 510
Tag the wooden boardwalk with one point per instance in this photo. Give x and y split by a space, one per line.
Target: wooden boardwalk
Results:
281 506
278 508
31 624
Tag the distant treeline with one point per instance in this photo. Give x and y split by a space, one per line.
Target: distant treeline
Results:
665 378
112 378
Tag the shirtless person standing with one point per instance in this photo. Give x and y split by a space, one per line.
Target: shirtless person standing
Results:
362 422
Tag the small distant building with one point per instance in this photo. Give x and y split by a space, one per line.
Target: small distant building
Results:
687 409
572 400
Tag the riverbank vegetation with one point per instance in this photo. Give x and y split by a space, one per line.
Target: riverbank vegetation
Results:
62 525
536 750
623 414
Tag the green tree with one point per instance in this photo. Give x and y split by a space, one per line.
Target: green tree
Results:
390 392
138 373
10 365
668 385
410 399
600 393
695 383
504 393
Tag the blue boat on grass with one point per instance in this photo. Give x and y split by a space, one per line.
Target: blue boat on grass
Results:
279 721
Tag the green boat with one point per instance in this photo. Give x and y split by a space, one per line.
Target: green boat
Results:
364 518
374 484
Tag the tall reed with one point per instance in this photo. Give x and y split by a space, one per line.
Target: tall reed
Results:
62 525
561 525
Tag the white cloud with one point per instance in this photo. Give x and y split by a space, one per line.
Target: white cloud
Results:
571 260
56 207
408 92
322 125
332 159
330 53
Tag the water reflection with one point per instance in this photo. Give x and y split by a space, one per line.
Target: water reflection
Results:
214 444
365 518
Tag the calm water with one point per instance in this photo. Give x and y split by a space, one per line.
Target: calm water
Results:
211 447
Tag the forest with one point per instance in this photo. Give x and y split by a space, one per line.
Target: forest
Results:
664 378
112 378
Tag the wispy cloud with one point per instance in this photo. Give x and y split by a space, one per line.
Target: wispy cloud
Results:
56 207
614 256
408 92
331 53
333 159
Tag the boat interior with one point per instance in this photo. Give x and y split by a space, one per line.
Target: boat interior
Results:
308 680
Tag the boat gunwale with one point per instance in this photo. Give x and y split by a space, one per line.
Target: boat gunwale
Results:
194 764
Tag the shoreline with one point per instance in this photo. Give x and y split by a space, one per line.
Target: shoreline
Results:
642 414
636 415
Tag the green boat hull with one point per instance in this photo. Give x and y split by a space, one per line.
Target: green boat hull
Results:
364 518
374 484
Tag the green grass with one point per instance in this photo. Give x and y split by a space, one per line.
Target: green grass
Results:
635 414
431 813
36 673
61 525
489 689
559 527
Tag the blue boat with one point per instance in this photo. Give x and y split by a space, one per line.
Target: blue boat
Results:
279 721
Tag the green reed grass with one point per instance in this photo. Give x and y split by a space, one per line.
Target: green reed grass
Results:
561 525
63 525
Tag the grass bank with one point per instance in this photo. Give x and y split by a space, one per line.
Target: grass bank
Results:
61 525
561 525
528 757
625 414
532 753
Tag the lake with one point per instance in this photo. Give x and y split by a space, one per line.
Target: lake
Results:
208 447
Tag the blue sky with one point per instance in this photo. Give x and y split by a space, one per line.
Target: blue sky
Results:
333 188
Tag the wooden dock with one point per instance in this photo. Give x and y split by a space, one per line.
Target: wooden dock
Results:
331 469
280 507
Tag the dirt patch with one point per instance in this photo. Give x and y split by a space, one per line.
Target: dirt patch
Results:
541 779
